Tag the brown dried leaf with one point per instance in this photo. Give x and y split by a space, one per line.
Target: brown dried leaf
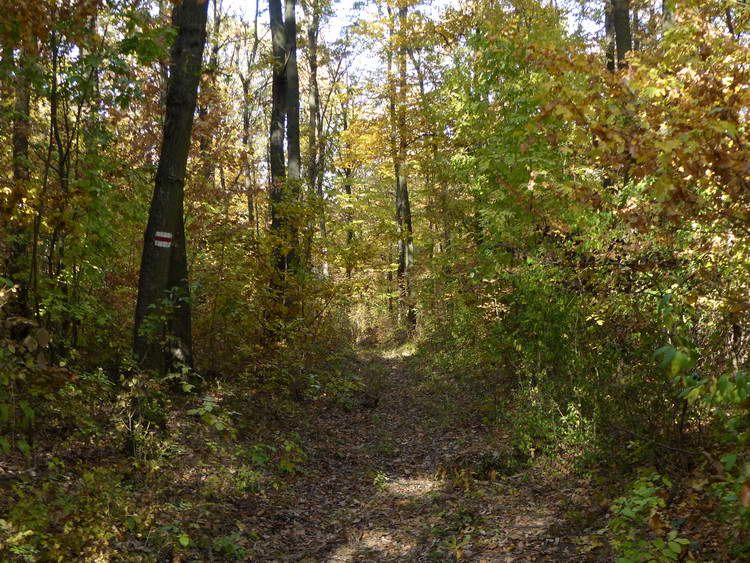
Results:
656 524
42 337
744 496
31 343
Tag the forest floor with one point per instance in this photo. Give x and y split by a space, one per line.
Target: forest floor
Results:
404 470
403 475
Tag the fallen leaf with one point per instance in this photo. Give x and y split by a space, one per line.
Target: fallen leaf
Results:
745 493
656 524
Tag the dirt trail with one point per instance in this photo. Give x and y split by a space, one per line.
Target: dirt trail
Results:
384 483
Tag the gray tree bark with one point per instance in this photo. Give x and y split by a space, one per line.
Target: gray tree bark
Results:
294 158
285 183
292 86
279 219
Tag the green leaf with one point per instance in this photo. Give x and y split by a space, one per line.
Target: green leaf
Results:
24 446
692 395
729 460
28 412
679 361
664 356
723 384
652 92
184 540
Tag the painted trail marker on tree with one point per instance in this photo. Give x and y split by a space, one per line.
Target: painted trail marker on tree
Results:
162 239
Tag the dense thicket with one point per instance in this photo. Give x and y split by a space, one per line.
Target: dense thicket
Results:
550 200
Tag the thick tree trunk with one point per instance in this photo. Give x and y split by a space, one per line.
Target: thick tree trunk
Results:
163 65
164 260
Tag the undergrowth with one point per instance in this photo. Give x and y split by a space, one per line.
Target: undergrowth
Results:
101 466
625 391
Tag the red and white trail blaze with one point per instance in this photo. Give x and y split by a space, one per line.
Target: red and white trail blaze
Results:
163 239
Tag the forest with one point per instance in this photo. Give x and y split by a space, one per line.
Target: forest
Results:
375 280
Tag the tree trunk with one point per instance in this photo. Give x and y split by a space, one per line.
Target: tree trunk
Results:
313 99
348 175
621 24
279 199
17 232
609 34
247 160
163 272
730 23
293 172
285 183
619 43
163 65
403 206
667 14
207 90
249 168
315 188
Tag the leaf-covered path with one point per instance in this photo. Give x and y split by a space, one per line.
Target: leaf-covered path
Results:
394 478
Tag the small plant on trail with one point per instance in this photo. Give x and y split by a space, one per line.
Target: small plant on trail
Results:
456 546
212 415
291 454
231 546
380 480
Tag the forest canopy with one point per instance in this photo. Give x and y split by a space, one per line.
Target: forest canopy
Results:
389 280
